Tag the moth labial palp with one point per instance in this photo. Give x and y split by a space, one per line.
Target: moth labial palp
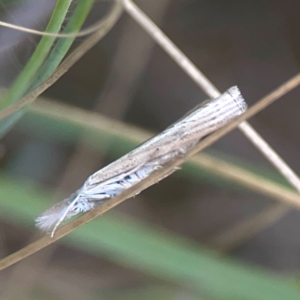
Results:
141 162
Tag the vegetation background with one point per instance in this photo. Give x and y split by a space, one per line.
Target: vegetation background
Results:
200 234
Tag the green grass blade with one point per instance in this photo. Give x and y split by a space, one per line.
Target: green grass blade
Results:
63 45
25 78
57 54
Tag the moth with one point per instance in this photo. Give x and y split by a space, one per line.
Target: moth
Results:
141 162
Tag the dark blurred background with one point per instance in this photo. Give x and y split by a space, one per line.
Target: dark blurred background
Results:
253 44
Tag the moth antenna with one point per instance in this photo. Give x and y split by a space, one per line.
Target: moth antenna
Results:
63 217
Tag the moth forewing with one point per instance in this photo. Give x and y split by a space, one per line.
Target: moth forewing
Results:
201 121
141 162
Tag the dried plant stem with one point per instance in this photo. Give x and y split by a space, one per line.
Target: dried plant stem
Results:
199 78
246 229
152 179
107 24
244 178
242 231
271 155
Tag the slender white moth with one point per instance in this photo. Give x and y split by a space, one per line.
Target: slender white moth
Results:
140 163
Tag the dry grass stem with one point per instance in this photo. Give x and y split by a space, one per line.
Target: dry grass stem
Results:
246 229
245 178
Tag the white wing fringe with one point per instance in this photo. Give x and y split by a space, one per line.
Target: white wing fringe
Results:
48 219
